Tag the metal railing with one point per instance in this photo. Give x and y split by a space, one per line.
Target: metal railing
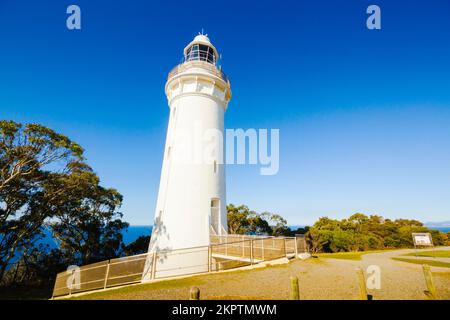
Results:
224 253
101 275
198 64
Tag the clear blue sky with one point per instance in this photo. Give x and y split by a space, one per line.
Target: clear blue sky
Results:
364 116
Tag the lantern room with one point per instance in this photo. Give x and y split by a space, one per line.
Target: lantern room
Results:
200 49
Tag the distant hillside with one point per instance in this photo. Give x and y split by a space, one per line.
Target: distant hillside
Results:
441 224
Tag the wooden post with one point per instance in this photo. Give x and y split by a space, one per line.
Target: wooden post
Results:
194 294
362 284
431 292
295 293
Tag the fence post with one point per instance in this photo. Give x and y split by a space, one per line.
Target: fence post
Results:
296 247
106 275
71 284
209 257
295 293
262 249
362 284
155 257
431 292
251 251
194 294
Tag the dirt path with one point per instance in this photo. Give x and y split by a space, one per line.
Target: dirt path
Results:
405 280
319 278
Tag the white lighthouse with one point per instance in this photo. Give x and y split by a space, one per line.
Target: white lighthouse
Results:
191 203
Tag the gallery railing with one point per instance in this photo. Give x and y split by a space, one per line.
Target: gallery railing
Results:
200 64
224 253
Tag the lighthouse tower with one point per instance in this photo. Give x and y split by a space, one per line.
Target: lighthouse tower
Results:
191 203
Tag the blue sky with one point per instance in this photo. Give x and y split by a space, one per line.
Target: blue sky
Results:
364 115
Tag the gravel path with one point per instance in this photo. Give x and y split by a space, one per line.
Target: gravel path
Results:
319 278
405 280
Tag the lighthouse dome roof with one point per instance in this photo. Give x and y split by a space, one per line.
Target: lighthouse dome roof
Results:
202 38
201 48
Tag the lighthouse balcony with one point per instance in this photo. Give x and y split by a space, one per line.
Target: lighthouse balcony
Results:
192 64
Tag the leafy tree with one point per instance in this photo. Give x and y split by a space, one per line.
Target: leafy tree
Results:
291 232
44 183
139 246
238 218
242 220
360 232
277 223
26 154
87 225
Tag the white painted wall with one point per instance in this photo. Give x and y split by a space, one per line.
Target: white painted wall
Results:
198 97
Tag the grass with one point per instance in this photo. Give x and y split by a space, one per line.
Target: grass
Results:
432 253
432 263
186 283
347 255
166 284
342 255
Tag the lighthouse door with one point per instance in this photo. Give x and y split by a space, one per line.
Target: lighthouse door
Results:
215 213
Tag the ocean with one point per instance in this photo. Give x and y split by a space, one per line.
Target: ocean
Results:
133 232
442 229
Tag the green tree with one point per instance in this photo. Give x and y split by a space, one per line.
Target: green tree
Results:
139 246
44 183
360 232
87 225
242 220
278 225
26 155
238 218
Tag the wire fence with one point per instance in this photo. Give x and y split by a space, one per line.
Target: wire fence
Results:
224 253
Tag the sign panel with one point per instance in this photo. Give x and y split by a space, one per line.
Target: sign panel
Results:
422 239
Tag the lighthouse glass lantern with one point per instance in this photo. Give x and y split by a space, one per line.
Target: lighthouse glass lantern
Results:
201 52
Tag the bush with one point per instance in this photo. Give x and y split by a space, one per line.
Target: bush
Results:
360 232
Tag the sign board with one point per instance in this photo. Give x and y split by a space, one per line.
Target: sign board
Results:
422 239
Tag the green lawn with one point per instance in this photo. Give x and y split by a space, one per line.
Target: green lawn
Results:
432 263
432 253
202 281
162 285
341 255
347 255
